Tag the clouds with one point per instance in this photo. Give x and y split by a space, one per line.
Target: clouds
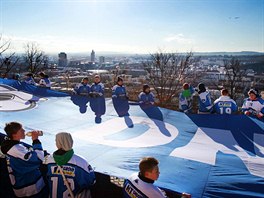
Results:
178 38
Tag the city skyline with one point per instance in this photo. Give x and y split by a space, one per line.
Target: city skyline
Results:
134 26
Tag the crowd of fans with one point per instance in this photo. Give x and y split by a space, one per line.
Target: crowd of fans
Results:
252 106
35 173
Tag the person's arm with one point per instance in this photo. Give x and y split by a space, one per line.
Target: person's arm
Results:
261 112
114 91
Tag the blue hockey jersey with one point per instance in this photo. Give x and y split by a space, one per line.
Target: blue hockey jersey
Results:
23 163
134 187
119 92
78 172
225 105
185 102
30 80
205 102
82 89
255 107
146 98
45 82
97 89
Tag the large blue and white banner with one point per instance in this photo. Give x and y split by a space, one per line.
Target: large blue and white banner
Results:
204 155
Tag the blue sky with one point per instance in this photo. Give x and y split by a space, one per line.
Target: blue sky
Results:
139 26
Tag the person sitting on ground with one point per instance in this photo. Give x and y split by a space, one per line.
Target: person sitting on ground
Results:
82 88
44 80
24 162
224 104
69 175
146 97
29 79
205 102
253 105
141 184
185 98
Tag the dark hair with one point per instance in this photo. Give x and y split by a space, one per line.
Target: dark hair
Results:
201 88
85 78
147 164
12 128
254 91
145 87
224 92
42 74
119 79
29 74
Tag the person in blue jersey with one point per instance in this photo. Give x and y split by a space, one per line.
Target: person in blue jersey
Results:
205 102
44 80
253 105
185 98
64 162
146 98
224 104
97 100
24 162
120 98
82 88
140 185
29 79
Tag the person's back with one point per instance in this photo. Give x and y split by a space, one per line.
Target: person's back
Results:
205 102
141 184
77 171
23 162
224 104
185 98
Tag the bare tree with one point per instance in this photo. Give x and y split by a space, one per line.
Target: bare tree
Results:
7 61
234 75
4 45
167 71
34 58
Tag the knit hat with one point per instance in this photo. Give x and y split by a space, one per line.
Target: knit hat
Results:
185 86
64 141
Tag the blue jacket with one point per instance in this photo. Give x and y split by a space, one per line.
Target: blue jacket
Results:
77 171
225 105
97 89
82 89
119 92
146 98
205 102
253 106
23 164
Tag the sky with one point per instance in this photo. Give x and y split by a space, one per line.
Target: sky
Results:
134 26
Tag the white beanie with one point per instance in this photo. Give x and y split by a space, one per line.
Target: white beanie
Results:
64 141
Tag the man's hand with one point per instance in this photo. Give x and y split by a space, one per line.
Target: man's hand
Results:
35 135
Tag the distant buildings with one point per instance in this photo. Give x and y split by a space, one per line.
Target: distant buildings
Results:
101 60
62 62
92 56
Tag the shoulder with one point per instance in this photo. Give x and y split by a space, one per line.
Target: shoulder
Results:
18 150
79 161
